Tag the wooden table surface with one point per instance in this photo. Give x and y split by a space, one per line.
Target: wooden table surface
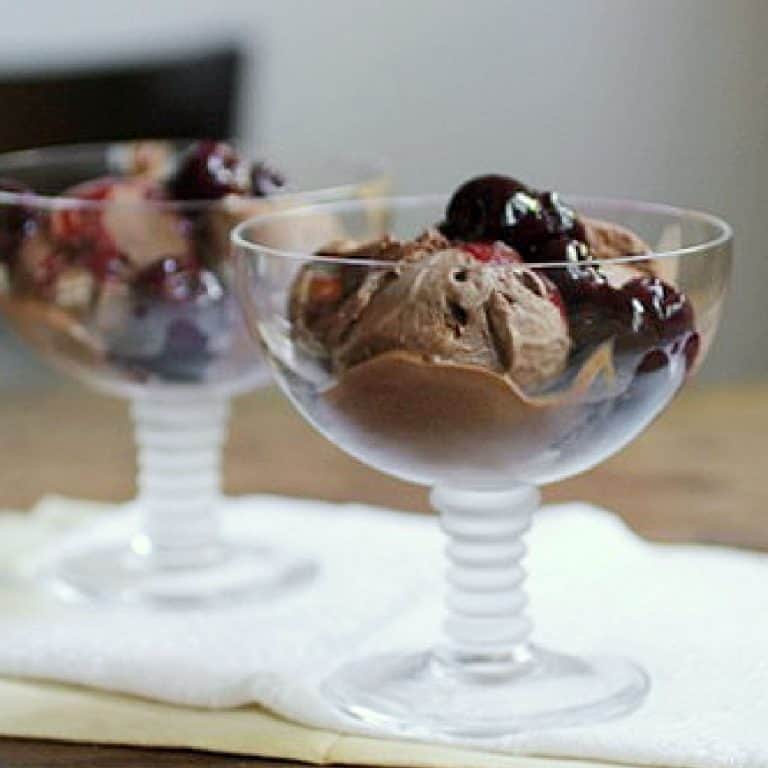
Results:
699 474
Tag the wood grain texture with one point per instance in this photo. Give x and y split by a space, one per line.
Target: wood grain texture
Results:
700 473
21 753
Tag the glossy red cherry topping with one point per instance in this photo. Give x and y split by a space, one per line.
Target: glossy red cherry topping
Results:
209 170
176 279
15 217
496 252
493 207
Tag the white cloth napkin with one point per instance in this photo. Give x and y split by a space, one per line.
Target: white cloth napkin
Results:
695 617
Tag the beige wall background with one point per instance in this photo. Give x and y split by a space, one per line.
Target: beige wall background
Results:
660 99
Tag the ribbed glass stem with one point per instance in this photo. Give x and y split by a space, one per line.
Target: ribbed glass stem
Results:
179 442
486 629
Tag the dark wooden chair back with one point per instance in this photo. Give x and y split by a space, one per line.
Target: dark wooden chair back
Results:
184 97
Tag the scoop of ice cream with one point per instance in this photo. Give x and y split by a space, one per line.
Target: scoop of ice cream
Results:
610 241
607 240
143 233
152 159
125 224
446 306
329 295
386 247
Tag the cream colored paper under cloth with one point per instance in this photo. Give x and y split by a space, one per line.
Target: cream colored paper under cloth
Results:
47 710
696 617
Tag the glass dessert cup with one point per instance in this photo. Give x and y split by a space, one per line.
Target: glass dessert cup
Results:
131 294
483 442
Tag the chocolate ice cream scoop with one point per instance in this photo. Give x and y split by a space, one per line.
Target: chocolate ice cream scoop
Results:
607 240
328 296
448 307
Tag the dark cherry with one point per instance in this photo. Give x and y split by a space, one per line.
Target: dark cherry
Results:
578 231
529 223
577 276
490 208
663 318
563 249
561 219
645 316
480 208
185 340
14 220
176 279
596 310
662 313
209 170
265 180
185 355
653 361
177 297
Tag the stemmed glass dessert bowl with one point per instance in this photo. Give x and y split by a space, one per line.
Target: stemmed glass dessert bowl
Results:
518 341
115 266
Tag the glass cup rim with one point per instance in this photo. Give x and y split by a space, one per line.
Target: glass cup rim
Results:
370 168
723 236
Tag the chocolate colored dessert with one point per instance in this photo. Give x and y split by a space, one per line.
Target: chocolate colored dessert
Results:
501 338
130 270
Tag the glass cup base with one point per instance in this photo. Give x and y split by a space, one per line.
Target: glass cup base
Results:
421 696
113 572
